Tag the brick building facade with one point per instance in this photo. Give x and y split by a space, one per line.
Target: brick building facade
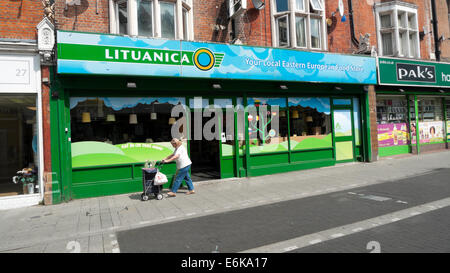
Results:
254 27
209 21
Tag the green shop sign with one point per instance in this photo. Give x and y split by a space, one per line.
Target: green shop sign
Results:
413 73
139 55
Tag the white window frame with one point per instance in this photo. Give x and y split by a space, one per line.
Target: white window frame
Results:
288 29
405 10
116 13
308 12
132 8
318 7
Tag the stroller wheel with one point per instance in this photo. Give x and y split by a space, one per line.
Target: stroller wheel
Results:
144 197
159 196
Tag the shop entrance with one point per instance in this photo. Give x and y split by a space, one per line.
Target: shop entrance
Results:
347 133
18 144
204 153
214 156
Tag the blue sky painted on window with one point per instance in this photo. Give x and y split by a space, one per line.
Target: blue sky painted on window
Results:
321 104
281 102
117 103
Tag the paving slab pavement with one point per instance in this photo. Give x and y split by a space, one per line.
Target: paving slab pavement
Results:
91 223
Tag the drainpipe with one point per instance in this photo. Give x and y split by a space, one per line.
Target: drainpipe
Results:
437 42
352 26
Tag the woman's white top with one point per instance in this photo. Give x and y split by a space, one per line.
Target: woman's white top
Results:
183 160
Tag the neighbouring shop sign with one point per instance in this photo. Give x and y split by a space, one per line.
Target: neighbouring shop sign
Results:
19 73
413 73
83 53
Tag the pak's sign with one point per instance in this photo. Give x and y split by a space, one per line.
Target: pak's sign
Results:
101 54
409 72
416 73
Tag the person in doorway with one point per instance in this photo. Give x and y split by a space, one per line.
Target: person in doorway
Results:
183 166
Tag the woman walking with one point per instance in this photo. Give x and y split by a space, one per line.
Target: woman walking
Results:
183 166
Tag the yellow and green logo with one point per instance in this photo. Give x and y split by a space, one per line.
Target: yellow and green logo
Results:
205 59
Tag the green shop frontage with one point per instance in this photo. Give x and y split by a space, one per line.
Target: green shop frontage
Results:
413 106
240 111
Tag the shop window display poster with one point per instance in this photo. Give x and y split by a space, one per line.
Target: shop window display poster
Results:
432 131
392 134
448 130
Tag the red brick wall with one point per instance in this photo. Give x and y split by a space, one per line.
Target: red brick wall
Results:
373 123
339 35
260 30
443 28
86 18
48 200
18 19
339 38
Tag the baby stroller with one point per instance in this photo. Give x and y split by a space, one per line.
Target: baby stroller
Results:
150 185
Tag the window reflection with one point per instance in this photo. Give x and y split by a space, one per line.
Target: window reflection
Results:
145 18
167 20
122 8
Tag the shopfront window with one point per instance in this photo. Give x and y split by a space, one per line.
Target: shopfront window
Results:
310 123
342 102
18 145
392 120
117 130
198 103
447 105
265 131
431 120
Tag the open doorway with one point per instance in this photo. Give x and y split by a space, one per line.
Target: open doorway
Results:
205 155
18 145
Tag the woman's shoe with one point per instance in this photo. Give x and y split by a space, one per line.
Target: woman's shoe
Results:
171 194
190 192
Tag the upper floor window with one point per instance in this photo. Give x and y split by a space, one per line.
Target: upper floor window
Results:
299 24
398 30
170 19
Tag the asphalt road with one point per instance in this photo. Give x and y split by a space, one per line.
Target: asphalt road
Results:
244 229
426 233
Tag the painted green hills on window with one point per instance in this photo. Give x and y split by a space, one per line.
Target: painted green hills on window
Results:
93 153
308 143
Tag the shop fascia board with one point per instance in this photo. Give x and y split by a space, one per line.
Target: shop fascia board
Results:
413 62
